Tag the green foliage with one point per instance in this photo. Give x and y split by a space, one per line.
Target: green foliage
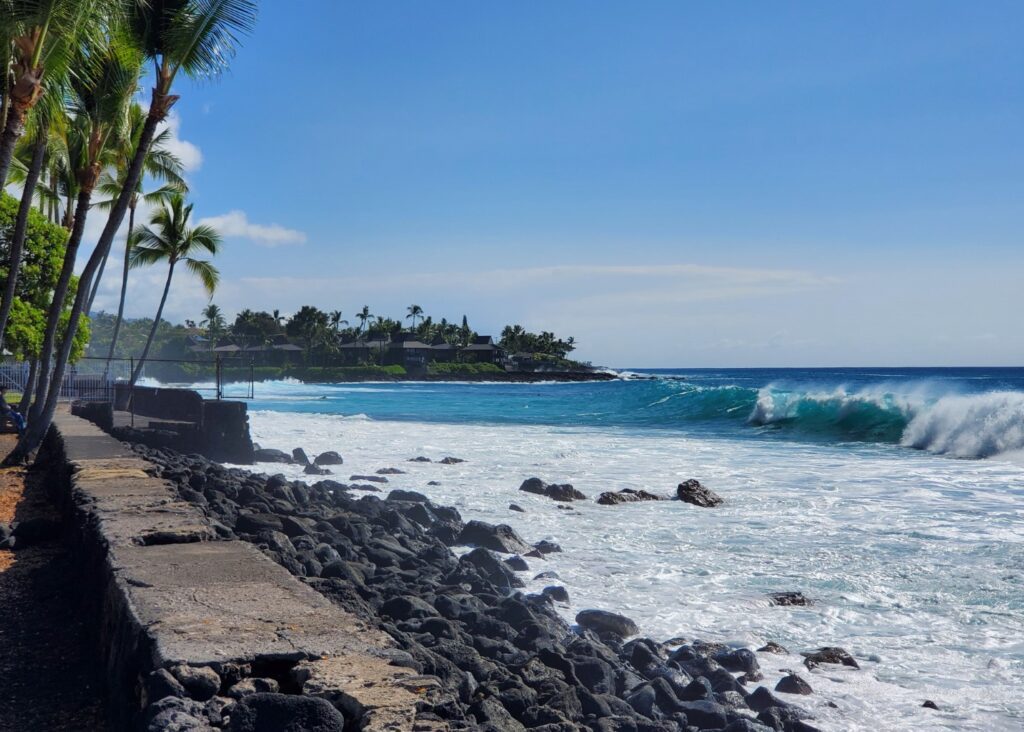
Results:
328 374
516 339
466 369
40 270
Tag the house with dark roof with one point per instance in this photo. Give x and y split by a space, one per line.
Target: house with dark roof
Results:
484 350
408 352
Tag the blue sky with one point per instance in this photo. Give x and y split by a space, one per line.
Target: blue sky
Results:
673 183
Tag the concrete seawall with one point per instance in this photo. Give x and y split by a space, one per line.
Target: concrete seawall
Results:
170 593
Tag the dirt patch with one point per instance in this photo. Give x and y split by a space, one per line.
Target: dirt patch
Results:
49 668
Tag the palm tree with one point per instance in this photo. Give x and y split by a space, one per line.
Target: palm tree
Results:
213 321
365 317
161 164
101 93
40 37
336 321
191 36
172 241
415 311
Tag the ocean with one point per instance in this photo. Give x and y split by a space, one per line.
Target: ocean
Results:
894 498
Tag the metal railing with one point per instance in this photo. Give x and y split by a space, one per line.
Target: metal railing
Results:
94 378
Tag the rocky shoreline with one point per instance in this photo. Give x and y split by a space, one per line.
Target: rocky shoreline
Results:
503 660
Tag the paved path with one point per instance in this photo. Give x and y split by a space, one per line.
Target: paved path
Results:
49 675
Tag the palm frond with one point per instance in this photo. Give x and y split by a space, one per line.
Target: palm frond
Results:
202 35
205 271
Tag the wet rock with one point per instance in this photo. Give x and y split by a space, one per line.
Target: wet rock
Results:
492 569
785 599
517 564
299 456
929 704
704 714
499 538
740 659
829 654
547 547
433 482
556 593
273 712
369 478
311 469
201 682
793 684
420 459
547 575
451 460
329 458
557 492
626 495
270 455
253 685
390 471
691 491
516 507
602 621
412 496
773 647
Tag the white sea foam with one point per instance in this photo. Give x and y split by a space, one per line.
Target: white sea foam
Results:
915 562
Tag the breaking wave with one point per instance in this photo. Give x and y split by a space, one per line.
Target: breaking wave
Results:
960 425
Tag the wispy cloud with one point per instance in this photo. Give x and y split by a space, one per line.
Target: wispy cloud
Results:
236 224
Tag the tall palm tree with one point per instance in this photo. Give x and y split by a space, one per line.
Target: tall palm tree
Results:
102 90
415 311
160 164
336 320
365 317
197 37
213 321
41 38
172 241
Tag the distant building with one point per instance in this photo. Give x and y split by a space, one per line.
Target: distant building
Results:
484 350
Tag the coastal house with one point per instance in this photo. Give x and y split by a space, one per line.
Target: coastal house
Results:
404 350
441 350
484 350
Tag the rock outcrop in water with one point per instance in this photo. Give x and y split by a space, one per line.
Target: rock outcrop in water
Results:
555 491
626 495
691 491
499 659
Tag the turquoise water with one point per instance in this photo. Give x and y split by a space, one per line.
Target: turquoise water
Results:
962 412
893 497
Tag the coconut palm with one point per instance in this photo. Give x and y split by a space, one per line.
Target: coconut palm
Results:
213 321
102 90
171 240
415 311
336 320
197 37
365 317
160 164
40 39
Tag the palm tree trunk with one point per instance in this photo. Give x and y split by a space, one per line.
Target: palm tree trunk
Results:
30 385
156 324
96 283
12 131
37 428
20 228
124 289
60 294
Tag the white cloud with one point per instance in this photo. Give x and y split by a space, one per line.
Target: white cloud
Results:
190 155
236 224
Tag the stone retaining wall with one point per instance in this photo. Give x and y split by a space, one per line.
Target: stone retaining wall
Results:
170 594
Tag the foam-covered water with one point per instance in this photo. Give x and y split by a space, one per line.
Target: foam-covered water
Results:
915 560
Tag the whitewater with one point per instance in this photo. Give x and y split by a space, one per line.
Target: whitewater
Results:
893 499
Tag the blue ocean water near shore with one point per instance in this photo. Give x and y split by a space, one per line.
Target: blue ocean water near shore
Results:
892 497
